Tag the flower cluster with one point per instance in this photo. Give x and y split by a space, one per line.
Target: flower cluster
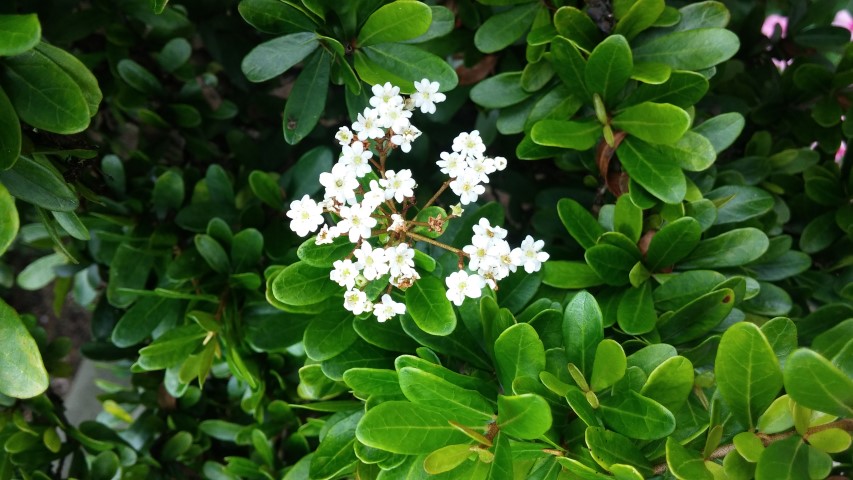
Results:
370 204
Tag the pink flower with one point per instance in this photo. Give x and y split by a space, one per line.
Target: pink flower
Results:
839 155
843 19
770 25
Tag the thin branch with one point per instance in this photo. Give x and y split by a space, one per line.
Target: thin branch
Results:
422 238
437 193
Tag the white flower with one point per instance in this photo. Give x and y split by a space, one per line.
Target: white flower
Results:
373 197
357 159
326 235
530 255
469 144
356 222
481 253
461 285
405 138
340 183
398 185
385 97
427 95
373 261
344 136
306 216
345 273
500 163
456 210
356 302
401 260
396 118
467 187
367 124
482 166
397 223
388 308
485 229
452 164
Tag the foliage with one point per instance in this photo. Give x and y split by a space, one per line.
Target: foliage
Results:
693 321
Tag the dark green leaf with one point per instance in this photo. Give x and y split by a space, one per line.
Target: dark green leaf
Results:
697 317
274 57
577 27
570 66
694 49
22 372
611 263
639 17
673 242
785 459
9 221
583 330
308 97
570 275
213 253
636 416
129 269
653 170
143 317
335 455
731 249
499 91
653 122
425 388
77 71
273 16
742 203
636 312
682 89
10 133
172 348
577 135
608 67
502 30
579 222
395 22
302 284
608 448
402 65
328 335
429 307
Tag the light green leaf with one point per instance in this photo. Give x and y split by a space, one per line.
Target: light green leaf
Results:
429 307
651 73
785 459
22 373
722 130
77 71
694 49
670 383
274 57
747 371
569 65
685 464
583 330
395 22
518 353
402 65
446 458
525 416
608 448
813 382
172 348
694 152
308 97
609 365
636 416
653 122
577 135
639 17
44 95
425 388
302 284
609 67
18 33
570 275
9 221
653 170
425 428
636 311
628 218
730 249
33 182
502 30
611 263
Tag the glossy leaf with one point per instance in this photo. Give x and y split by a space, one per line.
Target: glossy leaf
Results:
518 352
636 311
22 372
10 133
685 464
609 365
579 222
272 16
813 382
697 318
786 459
274 57
422 387
429 307
611 263
577 135
9 220
402 65
308 97
583 330
570 66
639 17
673 242
608 67
501 30
395 22
653 170
525 416
636 416
143 317
424 427
731 249
335 454
328 335
694 49
670 383
608 448
653 122
570 275
302 284
77 71
18 33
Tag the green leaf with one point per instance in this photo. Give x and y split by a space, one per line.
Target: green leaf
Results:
22 373
395 22
685 464
44 95
577 26
569 65
172 348
518 352
579 222
77 71
694 49
429 307
525 416
273 16
609 67
814 382
501 90
785 459
577 135
609 448
143 317
424 388
35 183
609 365
425 428
129 269
636 416
742 203
656 172
651 73
502 30
636 311
328 335
265 188
308 97
246 249
583 330
832 440
335 455
730 249
628 218
105 466
443 22
670 383
373 381
18 33
611 263
213 253
639 17
10 133
673 242
274 57
682 89
722 130
570 275
819 233
747 371
697 317
694 152
9 221
39 273
138 77
653 122
302 284
446 458
402 65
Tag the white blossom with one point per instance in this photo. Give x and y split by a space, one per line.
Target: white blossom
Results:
356 222
385 97
469 144
452 164
396 118
500 163
344 273
357 158
530 254
427 95
405 138
461 285
306 215
374 196
344 136
484 229
356 302
367 124
401 260
398 185
388 308
373 261
482 166
326 235
467 187
340 183
397 223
